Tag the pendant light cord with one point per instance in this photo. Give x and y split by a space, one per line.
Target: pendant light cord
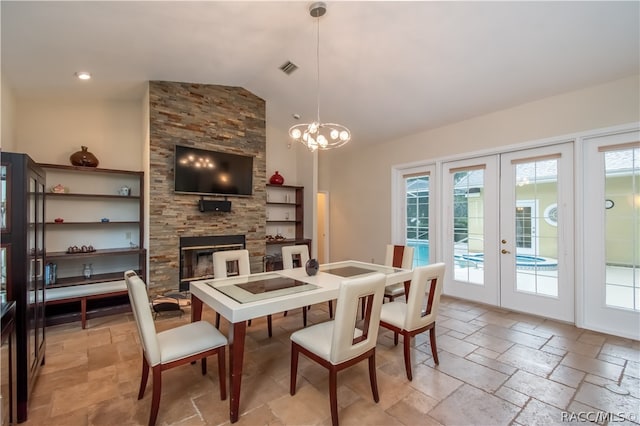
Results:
318 65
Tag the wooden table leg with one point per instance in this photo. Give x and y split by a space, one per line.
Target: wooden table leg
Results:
196 309
236 360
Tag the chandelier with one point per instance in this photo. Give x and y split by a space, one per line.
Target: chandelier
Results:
319 135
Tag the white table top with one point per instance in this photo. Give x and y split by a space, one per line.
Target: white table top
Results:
326 284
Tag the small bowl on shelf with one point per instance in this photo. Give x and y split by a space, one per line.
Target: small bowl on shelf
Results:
58 220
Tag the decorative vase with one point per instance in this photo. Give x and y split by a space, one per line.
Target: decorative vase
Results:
312 267
87 270
84 158
276 179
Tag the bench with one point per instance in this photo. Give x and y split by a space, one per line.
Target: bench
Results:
84 292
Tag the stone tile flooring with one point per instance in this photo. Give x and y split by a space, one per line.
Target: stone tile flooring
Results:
496 368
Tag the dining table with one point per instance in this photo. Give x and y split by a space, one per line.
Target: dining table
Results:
244 297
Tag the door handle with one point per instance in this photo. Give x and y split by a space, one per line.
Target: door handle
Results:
503 251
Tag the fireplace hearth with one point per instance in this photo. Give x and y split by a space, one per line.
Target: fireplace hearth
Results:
196 255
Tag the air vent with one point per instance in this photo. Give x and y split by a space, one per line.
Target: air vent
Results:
288 67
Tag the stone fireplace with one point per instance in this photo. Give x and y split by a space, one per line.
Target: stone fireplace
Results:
219 118
196 255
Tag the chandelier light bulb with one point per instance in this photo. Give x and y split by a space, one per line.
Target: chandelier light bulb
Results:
296 133
334 134
344 136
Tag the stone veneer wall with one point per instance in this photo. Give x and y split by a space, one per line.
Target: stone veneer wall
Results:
221 118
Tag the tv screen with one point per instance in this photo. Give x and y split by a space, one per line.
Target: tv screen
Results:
200 171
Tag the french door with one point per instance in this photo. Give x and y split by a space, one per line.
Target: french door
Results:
612 234
508 237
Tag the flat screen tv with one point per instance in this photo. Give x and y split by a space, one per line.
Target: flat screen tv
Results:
206 172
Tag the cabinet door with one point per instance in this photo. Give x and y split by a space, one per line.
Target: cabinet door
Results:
32 270
39 278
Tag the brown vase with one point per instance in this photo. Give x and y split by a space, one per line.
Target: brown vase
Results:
276 179
84 158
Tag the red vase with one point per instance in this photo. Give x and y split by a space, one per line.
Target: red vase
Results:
276 179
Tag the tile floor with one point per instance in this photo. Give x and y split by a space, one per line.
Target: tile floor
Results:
496 368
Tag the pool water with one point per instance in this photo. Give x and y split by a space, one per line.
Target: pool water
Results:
421 258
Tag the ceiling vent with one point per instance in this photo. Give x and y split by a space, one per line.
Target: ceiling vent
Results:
288 67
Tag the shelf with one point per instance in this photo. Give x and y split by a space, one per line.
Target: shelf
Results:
97 253
271 203
270 185
93 196
90 169
111 222
284 221
95 279
289 241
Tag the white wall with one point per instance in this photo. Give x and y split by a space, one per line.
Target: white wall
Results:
360 178
50 130
7 143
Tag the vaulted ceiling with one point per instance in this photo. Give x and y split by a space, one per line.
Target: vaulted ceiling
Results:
387 69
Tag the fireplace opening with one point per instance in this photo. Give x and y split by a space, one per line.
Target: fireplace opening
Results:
196 256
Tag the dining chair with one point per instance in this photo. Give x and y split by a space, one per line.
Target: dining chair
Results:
419 313
341 343
297 256
399 257
236 261
170 348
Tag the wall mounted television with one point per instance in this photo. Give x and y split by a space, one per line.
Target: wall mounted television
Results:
207 172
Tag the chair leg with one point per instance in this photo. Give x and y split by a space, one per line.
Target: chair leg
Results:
304 316
434 349
222 373
294 368
204 365
333 395
372 377
395 338
285 313
217 320
269 327
330 308
143 379
155 400
407 356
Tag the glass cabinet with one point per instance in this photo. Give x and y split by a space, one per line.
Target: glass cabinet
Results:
23 208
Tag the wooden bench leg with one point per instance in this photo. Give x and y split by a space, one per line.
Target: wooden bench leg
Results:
83 311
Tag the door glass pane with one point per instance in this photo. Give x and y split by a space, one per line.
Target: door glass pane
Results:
468 226
417 218
622 228
536 188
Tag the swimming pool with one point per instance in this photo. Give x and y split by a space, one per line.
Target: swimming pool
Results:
421 258
522 261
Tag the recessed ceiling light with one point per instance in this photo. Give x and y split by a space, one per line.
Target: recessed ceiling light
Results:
83 75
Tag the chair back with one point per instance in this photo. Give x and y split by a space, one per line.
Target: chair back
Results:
419 311
144 320
345 344
399 256
288 253
223 257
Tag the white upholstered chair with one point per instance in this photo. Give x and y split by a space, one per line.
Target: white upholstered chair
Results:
170 348
419 313
341 343
294 257
225 261
398 257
